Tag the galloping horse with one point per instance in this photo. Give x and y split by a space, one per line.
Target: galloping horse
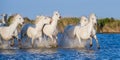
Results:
7 32
70 29
50 29
85 32
36 31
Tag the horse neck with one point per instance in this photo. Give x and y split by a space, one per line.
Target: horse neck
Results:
90 25
13 27
54 22
39 26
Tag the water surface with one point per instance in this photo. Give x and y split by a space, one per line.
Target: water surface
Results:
109 43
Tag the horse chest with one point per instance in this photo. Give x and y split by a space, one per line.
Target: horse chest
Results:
50 30
6 36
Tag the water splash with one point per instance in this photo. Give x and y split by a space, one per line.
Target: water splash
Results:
67 42
62 41
44 43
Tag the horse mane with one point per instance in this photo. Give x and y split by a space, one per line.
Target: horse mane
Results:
38 18
92 14
13 17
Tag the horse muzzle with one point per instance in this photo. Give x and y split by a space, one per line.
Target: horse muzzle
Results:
60 17
23 22
95 24
50 21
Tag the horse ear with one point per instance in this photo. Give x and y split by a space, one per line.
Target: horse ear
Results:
92 14
37 16
55 12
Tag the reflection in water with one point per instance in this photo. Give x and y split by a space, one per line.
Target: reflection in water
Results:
42 51
55 53
7 51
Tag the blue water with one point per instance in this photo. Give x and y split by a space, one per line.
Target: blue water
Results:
109 50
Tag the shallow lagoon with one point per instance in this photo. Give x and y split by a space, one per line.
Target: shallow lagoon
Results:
109 43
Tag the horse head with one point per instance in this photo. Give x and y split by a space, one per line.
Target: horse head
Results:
83 21
18 18
56 15
93 18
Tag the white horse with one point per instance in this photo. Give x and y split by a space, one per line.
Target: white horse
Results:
4 23
86 32
36 31
7 32
50 29
69 30
84 21
4 19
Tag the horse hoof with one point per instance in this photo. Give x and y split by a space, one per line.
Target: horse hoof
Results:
11 45
90 45
20 47
55 45
32 46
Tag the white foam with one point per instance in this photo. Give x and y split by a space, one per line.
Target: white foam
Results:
67 42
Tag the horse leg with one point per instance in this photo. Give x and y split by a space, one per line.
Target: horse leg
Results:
90 41
32 42
40 39
12 41
98 46
51 37
45 37
0 40
78 38
27 40
55 37
19 43
55 41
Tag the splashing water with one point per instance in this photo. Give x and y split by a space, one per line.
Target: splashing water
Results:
66 42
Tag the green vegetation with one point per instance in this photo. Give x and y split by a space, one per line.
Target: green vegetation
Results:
66 21
108 25
103 25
